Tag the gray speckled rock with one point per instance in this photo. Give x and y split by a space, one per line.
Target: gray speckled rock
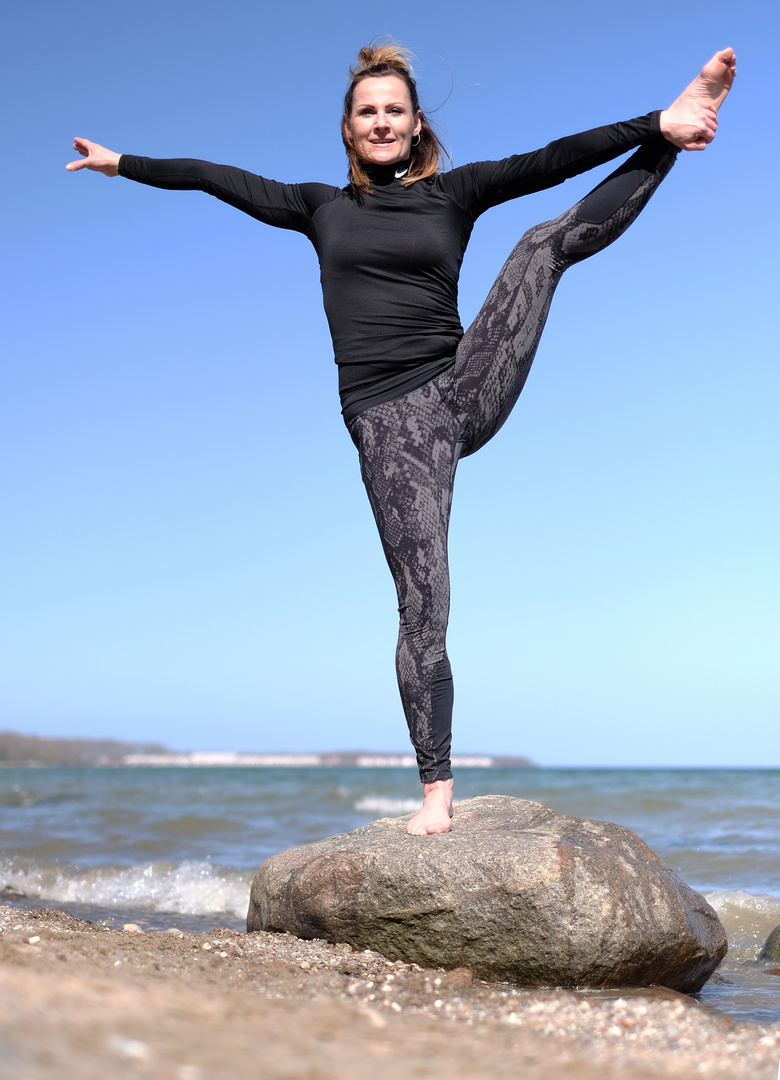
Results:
515 892
771 949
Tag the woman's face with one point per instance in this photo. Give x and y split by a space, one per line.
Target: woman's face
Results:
382 123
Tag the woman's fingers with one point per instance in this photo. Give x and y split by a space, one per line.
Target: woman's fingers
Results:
80 145
710 121
84 147
708 126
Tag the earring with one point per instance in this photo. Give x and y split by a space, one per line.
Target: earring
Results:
418 140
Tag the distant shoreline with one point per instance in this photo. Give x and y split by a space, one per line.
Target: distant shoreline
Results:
36 751
230 759
359 759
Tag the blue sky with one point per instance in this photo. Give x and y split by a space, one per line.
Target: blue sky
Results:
188 553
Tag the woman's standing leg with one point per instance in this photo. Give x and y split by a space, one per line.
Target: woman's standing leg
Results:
409 448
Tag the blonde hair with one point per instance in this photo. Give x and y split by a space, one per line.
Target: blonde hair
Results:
374 61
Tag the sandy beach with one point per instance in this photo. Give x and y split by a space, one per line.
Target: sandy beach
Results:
80 1000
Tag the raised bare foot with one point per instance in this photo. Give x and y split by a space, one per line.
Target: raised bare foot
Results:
436 813
714 82
691 121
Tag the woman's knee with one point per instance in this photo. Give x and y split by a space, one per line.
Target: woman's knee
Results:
425 631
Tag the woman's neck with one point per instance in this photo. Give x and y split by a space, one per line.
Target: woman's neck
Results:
382 175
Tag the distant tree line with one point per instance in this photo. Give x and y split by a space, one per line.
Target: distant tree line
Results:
16 749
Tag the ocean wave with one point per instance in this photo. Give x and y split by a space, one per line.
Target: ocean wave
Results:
199 887
19 797
193 888
748 919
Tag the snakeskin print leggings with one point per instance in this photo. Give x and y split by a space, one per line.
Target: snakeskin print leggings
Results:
410 447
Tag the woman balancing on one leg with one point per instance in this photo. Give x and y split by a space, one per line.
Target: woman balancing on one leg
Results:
417 393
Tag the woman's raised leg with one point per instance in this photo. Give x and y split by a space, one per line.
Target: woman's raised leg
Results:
496 353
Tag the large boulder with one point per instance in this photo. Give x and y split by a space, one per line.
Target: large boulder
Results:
515 892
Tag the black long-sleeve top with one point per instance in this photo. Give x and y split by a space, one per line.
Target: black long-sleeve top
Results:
390 260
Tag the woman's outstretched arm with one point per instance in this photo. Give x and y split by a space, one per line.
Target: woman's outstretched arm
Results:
95 157
690 123
286 206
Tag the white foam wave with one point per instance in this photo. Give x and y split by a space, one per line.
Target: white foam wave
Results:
194 888
200 888
377 805
748 919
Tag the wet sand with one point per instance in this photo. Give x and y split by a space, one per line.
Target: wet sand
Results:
79 1000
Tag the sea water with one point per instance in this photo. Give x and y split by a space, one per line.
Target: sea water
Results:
179 846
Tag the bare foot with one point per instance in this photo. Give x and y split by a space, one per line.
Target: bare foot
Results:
691 121
436 813
714 82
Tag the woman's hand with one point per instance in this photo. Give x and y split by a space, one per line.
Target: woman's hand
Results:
690 125
95 157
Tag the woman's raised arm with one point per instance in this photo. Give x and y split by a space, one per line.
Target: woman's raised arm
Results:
95 157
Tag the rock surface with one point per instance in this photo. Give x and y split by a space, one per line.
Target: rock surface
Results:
515 892
771 949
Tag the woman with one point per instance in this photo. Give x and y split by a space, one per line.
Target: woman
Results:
417 393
